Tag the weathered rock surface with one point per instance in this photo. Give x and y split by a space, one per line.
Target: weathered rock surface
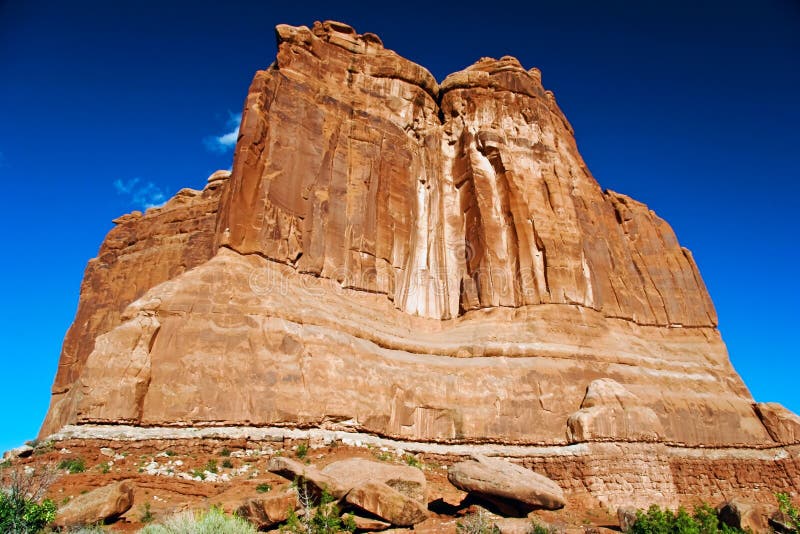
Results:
494 478
389 504
355 471
626 515
140 252
420 261
367 523
611 412
292 470
23 451
264 512
747 516
782 425
96 506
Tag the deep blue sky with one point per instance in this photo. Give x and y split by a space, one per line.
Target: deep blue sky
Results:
690 107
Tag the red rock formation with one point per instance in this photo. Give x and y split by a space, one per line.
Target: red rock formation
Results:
418 261
140 252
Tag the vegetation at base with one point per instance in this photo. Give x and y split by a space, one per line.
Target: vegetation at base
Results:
319 516
225 452
302 450
211 466
413 461
227 463
477 523
785 506
22 509
263 487
540 528
212 521
147 515
73 465
657 521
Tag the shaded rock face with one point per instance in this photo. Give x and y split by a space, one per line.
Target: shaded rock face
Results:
421 261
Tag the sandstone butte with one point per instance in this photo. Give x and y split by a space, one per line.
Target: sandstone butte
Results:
430 263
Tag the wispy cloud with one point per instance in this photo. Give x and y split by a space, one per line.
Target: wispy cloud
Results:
141 193
226 141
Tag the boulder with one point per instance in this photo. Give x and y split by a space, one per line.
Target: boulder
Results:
783 426
97 506
292 469
352 472
23 451
745 515
512 525
379 499
627 517
493 478
367 523
264 512
610 412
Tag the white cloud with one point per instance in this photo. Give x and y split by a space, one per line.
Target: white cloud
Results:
145 194
226 141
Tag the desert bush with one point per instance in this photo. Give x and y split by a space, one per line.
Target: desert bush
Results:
147 515
786 506
302 450
319 516
212 521
22 507
73 465
263 487
704 520
541 528
477 523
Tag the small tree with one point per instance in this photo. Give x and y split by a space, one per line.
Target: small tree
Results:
320 517
22 510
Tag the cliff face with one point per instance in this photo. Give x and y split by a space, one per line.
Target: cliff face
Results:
414 260
354 165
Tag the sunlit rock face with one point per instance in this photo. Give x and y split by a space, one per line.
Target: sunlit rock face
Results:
419 261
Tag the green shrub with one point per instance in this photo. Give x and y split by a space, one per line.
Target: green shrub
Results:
227 463
413 461
213 521
263 487
73 465
199 473
22 510
211 466
320 517
225 452
146 515
657 521
302 450
785 505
